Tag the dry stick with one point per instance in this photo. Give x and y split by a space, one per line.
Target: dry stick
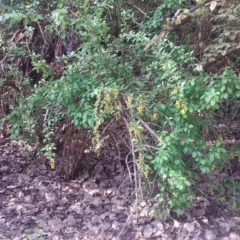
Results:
219 57
135 175
42 33
154 135
4 141
133 155
139 9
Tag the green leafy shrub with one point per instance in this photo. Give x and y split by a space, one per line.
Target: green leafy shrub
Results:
164 99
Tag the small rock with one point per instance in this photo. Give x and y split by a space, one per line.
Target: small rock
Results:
94 229
176 224
5 178
109 191
4 169
27 221
2 221
20 194
90 184
95 202
115 225
108 236
105 226
225 226
234 236
158 225
210 235
144 212
42 167
189 227
205 220
148 231
70 221
55 238
63 201
199 212
55 224
138 235
96 219
104 215
143 204
112 216
77 208
28 199
23 178
88 210
158 234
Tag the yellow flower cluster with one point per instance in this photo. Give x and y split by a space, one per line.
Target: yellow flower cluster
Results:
205 131
182 106
221 140
52 164
109 99
96 142
141 165
154 116
175 91
106 100
129 100
140 108
164 93
213 167
137 131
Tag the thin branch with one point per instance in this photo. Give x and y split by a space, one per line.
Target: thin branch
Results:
220 56
42 33
139 9
154 135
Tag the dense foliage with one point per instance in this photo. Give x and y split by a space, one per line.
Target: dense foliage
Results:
167 70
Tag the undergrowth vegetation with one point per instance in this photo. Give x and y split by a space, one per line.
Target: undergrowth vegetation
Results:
127 70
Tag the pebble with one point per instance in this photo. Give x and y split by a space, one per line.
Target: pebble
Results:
189 227
210 235
148 231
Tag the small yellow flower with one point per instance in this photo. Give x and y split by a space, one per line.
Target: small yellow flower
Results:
178 103
184 109
129 100
141 158
220 139
119 107
137 131
175 91
213 167
140 108
115 93
154 116
52 165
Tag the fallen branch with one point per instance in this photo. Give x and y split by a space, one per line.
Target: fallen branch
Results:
181 20
4 141
220 56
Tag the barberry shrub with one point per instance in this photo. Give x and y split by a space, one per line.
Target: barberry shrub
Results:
164 99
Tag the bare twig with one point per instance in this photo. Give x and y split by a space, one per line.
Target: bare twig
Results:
42 33
139 9
154 135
